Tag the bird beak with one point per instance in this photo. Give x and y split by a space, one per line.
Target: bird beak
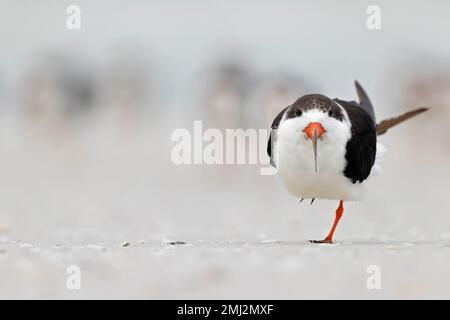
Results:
314 141
314 131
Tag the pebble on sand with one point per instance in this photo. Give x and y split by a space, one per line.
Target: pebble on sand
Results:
177 242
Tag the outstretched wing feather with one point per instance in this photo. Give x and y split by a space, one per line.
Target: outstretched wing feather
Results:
385 125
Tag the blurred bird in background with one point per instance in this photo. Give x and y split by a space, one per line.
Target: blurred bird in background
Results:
226 96
428 84
127 89
58 91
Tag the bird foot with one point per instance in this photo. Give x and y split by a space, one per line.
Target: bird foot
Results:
321 241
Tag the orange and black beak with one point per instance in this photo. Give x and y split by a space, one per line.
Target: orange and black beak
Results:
314 131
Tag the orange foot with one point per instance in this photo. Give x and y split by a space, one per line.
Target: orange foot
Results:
339 212
321 241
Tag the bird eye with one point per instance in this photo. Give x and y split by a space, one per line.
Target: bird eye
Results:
298 112
331 113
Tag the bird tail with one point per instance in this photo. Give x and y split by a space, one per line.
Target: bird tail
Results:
385 125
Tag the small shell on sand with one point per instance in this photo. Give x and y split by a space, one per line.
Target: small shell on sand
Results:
177 242
125 244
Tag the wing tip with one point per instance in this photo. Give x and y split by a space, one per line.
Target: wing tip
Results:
362 95
422 109
364 100
385 125
417 111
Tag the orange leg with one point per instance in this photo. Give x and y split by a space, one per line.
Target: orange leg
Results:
339 212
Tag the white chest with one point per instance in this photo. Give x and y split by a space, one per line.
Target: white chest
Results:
295 160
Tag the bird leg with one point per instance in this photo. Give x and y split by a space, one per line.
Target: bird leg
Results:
329 238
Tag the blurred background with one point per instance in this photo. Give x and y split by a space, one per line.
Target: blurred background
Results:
86 118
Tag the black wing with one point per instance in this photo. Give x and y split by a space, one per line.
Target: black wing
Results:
362 146
385 125
274 126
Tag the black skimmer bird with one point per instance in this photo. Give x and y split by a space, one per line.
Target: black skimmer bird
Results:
326 148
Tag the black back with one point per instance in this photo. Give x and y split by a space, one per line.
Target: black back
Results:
275 124
362 146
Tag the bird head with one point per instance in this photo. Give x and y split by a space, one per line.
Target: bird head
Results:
317 119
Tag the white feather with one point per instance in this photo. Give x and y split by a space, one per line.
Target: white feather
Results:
294 157
376 169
